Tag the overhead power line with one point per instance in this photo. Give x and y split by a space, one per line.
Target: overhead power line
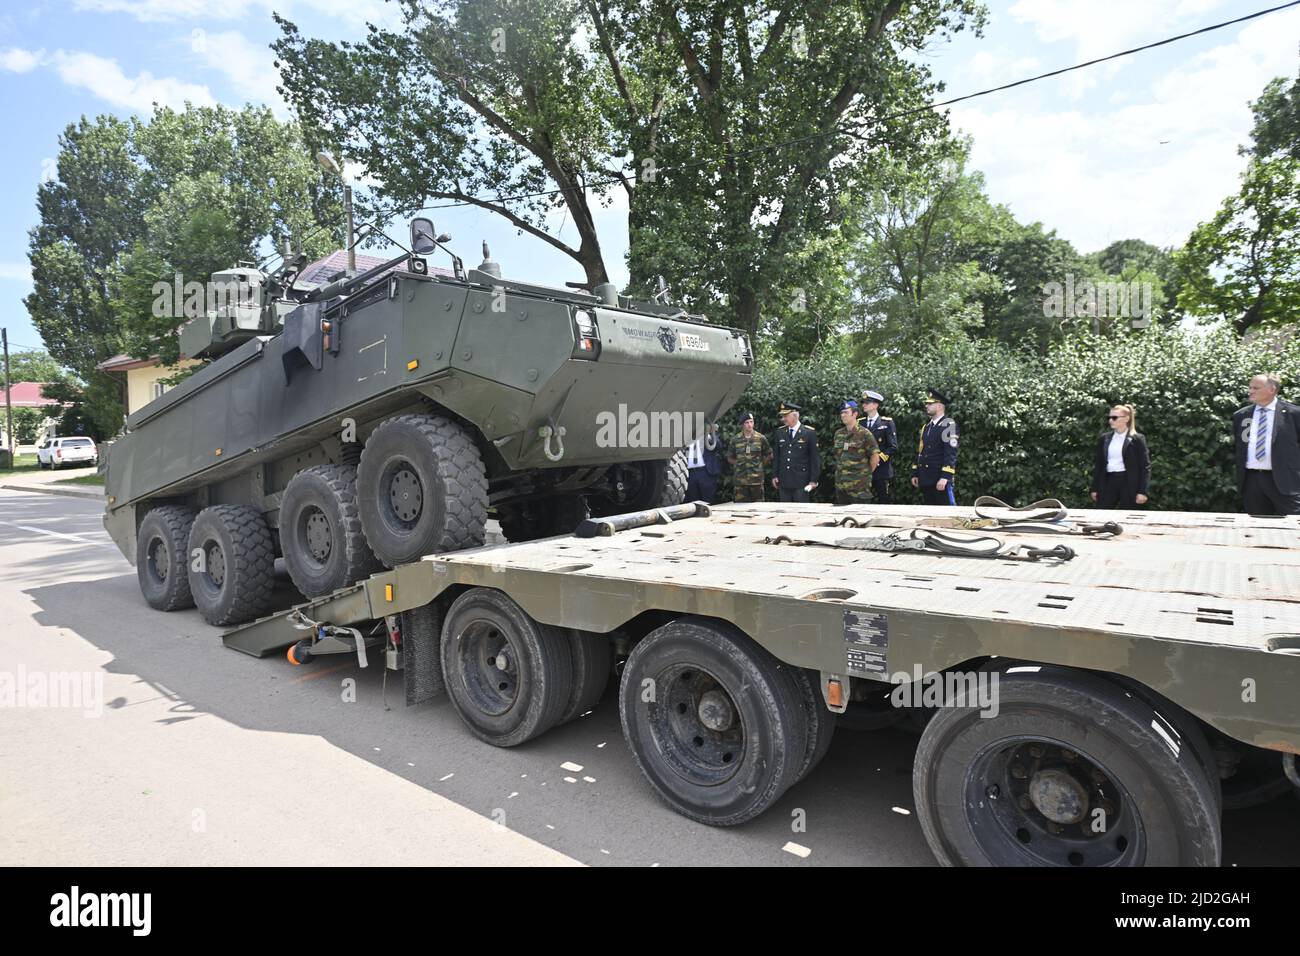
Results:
845 128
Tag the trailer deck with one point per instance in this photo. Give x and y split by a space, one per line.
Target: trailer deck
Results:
1202 608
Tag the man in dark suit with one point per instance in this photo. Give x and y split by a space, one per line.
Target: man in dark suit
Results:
1266 434
797 465
881 426
935 468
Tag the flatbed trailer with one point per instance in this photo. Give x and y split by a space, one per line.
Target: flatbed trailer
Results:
1087 697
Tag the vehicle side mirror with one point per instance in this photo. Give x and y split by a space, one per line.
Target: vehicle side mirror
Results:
423 237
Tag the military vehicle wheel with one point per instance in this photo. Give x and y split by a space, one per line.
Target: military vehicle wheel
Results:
593 660
542 518
821 720
715 726
320 530
162 557
509 677
640 485
1068 773
422 489
231 545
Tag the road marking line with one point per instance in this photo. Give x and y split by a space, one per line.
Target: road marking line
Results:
800 851
59 534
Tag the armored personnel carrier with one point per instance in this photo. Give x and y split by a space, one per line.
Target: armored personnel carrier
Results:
379 418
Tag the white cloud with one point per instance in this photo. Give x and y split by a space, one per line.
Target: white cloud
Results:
16 272
106 79
351 13
15 60
1150 164
246 65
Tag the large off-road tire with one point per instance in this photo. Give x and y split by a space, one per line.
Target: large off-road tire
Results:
320 530
509 677
162 557
714 724
1025 787
422 489
593 662
235 563
642 485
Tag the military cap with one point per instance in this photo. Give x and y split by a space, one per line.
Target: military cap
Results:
788 407
744 417
937 396
871 396
848 403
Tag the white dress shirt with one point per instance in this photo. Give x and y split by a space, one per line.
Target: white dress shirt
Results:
1265 463
1115 453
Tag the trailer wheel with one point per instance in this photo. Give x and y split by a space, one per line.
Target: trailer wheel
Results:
161 557
232 564
821 720
1070 772
422 489
593 659
508 676
320 530
713 724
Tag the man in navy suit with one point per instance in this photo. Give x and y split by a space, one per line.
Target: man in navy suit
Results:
1266 434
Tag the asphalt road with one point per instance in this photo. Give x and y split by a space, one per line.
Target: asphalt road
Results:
201 755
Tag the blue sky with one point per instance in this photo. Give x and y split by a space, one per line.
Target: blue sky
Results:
1143 147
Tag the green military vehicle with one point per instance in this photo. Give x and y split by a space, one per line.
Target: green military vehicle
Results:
1090 688
380 418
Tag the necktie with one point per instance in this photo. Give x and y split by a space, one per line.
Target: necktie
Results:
1261 434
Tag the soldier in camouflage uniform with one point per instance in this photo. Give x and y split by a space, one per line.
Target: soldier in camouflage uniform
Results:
856 457
749 452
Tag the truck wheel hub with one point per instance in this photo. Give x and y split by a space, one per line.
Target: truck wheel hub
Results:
1057 795
319 539
406 496
716 712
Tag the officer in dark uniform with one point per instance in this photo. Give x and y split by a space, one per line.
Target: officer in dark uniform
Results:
935 471
796 464
881 426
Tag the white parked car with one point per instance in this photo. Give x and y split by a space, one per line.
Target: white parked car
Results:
57 452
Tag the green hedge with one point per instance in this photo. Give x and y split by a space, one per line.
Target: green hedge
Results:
1029 424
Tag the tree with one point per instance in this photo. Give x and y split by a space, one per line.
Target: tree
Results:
1244 264
917 280
35 366
732 129
136 202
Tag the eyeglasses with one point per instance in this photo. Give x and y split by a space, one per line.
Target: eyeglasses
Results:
1116 417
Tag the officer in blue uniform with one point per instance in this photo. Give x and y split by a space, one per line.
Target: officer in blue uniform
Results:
795 461
882 427
935 470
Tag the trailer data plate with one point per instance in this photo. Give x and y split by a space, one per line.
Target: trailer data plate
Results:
866 636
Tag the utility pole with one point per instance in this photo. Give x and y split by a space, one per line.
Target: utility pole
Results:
9 404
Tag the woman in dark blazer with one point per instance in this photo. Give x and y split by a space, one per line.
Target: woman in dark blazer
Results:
1121 472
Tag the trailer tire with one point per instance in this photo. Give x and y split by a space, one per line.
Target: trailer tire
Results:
1068 743
162 557
422 489
715 726
593 660
821 720
508 676
320 530
238 564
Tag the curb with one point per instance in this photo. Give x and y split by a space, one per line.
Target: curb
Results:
47 490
